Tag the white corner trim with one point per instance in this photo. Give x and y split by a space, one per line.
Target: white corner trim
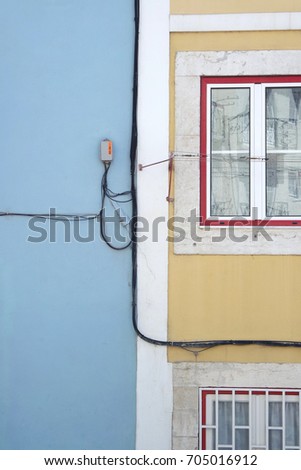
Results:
236 22
154 373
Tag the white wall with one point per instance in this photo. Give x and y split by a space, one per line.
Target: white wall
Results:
154 384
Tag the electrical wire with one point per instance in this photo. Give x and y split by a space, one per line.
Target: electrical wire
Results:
107 193
51 216
133 154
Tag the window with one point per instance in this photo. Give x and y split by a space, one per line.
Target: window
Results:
249 419
251 150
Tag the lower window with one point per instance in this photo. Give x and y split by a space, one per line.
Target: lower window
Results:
245 419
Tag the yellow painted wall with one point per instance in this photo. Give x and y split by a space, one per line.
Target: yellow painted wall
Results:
233 297
193 7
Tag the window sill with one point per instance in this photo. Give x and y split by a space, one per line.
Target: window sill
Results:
214 222
239 240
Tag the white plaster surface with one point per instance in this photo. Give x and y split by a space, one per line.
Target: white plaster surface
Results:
185 443
187 107
211 63
154 380
185 424
221 374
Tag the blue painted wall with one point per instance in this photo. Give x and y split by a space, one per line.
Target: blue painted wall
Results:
67 348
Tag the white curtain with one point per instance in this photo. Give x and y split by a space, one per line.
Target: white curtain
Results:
225 425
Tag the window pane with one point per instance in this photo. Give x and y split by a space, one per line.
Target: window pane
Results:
241 439
241 413
230 150
283 151
275 439
292 424
224 423
275 413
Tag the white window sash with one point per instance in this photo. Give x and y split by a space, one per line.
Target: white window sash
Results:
257 149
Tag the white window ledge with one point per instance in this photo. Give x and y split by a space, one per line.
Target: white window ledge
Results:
236 22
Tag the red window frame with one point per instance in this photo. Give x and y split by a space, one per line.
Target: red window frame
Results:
204 81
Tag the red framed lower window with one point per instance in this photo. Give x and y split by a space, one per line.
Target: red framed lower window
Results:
245 419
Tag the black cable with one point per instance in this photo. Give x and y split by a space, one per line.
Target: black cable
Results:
107 192
133 154
50 216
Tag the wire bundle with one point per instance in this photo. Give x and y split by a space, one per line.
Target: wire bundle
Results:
115 197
